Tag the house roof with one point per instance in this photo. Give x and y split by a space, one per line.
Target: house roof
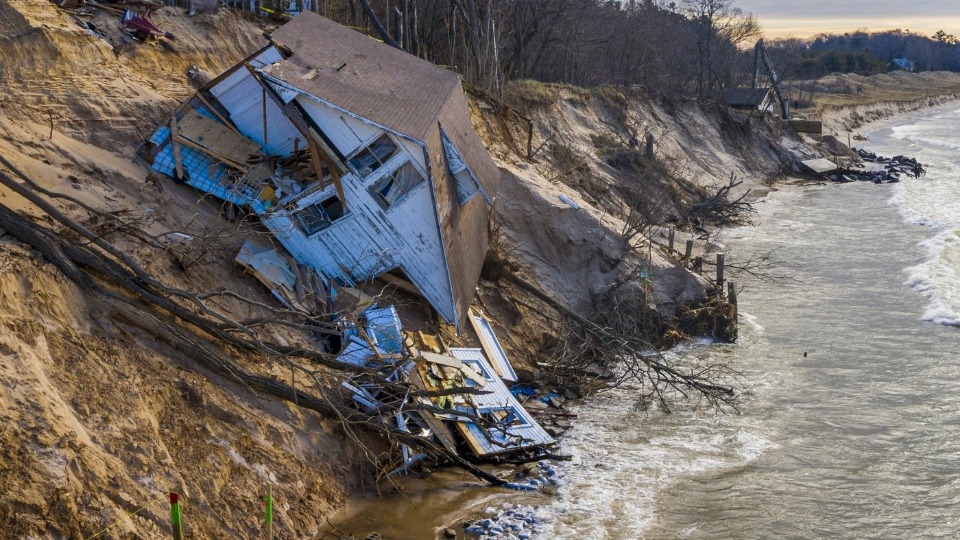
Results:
362 75
751 97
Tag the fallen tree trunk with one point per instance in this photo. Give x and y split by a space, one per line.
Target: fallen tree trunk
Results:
133 293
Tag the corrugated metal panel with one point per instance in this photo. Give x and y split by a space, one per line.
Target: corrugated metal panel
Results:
525 432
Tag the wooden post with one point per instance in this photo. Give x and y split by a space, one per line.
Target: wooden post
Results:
264 98
688 251
529 139
732 293
670 237
176 521
720 271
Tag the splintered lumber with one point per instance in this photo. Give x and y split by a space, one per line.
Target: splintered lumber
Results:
211 137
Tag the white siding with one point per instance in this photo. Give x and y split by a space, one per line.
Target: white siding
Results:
370 240
243 97
347 133
527 433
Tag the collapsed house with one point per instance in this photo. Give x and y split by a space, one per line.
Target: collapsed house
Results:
360 158
362 161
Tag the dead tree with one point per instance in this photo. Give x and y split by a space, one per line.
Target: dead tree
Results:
719 209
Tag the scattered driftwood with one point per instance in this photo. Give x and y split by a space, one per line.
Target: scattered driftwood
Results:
718 208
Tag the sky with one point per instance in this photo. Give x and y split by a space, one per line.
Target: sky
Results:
802 18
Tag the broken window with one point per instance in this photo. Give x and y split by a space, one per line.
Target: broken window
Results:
395 185
467 185
319 216
374 156
476 366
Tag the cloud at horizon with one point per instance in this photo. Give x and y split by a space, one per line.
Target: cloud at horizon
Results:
804 19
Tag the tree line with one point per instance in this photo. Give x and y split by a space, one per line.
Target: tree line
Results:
686 47
866 53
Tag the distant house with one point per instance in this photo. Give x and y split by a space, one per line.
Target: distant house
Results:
903 63
360 158
750 99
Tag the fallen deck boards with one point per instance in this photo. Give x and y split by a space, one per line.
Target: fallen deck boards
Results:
216 138
492 349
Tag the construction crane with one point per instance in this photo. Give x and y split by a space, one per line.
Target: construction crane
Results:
762 61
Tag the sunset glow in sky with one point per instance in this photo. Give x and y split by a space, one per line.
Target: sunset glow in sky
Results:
807 18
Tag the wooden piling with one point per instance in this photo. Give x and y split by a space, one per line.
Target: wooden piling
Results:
529 139
673 232
720 271
732 293
688 251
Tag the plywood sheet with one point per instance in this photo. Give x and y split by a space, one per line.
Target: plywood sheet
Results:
221 141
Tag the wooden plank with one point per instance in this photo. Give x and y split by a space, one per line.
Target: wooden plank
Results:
177 155
439 428
215 138
213 110
334 172
400 283
491 347
223 159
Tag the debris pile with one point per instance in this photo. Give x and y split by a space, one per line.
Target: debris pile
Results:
122 24
469 406
466 406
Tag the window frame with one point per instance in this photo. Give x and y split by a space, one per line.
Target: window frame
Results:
325 218
376 188
368 149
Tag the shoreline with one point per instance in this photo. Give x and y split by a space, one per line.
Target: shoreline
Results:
372 516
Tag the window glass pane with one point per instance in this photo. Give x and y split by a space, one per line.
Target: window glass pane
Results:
396 184
364 162
311 219
317 216
333 208
383 148
374 156
466 186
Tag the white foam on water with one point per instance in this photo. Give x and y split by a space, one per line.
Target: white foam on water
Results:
752 322
622 460
609 490
933 202
939 278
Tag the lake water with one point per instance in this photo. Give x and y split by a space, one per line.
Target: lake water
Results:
860 437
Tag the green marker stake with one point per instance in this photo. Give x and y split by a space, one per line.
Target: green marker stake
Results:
176 517
268 515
